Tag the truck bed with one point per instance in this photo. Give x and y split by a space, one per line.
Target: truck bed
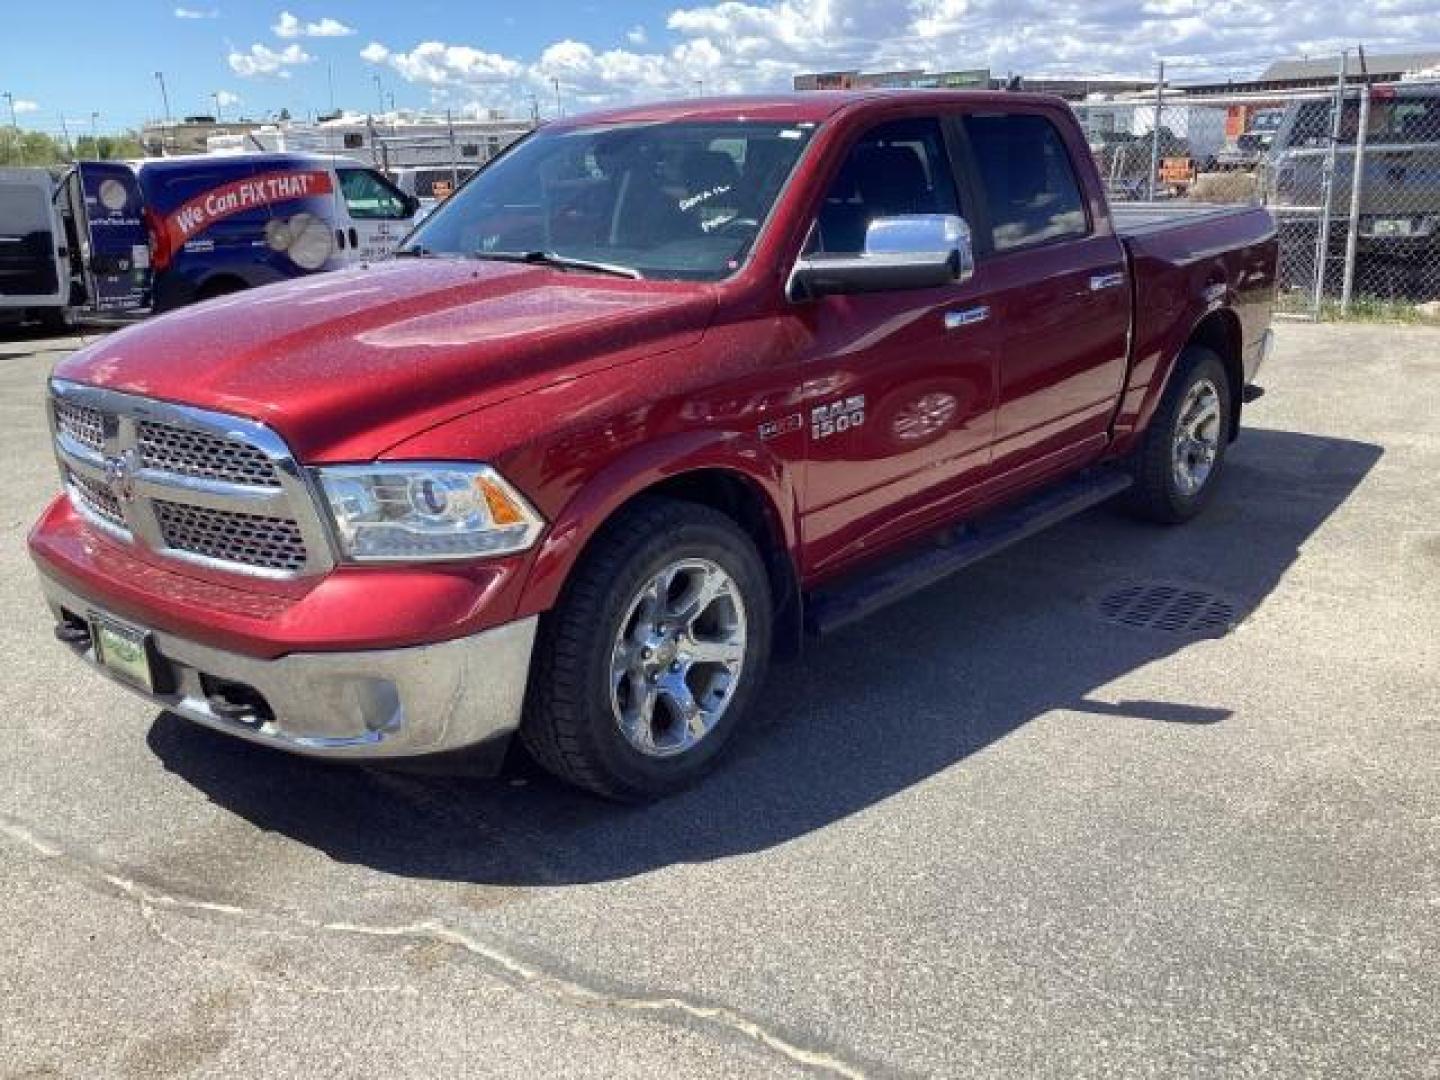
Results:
1138 218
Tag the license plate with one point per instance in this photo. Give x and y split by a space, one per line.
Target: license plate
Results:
124 650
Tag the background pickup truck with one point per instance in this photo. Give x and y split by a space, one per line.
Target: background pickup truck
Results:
653 395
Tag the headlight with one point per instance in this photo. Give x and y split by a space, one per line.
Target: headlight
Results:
394 512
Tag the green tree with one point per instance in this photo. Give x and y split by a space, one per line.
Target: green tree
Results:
37 148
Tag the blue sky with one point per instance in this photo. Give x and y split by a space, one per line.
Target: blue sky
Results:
90 56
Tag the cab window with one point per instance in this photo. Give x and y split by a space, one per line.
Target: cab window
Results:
369 195
1028 183
900 167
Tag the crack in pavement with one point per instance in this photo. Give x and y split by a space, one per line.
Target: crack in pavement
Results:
501 964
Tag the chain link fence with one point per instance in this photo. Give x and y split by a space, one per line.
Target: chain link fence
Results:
1354 183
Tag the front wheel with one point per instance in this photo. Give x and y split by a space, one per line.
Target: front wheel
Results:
650 661
1181 455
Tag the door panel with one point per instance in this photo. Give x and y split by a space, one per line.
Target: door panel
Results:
899 389
1064 361
377 215
899 413
29 265
1059 285
117 265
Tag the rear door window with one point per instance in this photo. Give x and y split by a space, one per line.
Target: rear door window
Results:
1027 179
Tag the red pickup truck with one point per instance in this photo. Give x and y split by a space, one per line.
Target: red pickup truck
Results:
656 394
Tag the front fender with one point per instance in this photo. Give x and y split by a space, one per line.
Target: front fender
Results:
640 469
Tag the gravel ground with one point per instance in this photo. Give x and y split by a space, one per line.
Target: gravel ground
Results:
990 831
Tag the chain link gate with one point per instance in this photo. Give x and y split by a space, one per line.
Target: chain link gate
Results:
1355 191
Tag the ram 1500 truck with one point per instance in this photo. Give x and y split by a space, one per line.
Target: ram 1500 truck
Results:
658 392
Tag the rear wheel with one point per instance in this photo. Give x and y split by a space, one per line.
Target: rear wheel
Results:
1182 453
647 666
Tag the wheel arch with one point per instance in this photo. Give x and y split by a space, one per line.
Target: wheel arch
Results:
1220 332
731 474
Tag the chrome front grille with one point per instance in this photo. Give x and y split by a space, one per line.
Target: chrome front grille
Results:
85 426
230 536
97 499
201 487
194 453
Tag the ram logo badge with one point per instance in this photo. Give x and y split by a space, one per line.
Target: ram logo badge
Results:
837 418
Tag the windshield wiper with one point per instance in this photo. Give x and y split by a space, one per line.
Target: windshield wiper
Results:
561 262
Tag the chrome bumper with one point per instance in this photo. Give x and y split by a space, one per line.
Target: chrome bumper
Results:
383 704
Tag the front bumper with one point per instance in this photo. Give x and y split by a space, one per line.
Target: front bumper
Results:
445 699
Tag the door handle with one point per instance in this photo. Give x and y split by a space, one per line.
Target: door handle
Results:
1106 281
954 320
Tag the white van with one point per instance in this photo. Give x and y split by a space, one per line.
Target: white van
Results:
34 255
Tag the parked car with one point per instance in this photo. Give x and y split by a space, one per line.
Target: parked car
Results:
657 393
1399 227
1250 147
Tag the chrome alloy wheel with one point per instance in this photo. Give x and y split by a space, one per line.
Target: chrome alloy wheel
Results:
1198 430
677 657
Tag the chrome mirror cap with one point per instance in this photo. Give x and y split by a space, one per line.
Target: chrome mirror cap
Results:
906 251
940 236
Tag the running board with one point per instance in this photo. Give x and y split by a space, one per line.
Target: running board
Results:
829 609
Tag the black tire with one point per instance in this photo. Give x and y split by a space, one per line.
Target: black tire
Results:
56 320
570 727
220 286
1157 494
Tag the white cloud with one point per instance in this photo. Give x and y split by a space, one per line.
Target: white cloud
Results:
290 26
263 60
735 46
435 63
23 106
196 13
225 98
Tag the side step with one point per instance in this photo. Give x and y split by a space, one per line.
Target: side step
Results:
829 609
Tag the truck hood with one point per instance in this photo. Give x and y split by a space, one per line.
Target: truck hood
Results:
347 364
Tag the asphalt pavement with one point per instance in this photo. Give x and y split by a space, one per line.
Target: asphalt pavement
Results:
1027 824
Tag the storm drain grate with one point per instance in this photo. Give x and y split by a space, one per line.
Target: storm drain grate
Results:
1174 609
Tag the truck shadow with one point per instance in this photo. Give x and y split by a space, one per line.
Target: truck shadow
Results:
886 704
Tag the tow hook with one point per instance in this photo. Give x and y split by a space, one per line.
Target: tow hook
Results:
73 633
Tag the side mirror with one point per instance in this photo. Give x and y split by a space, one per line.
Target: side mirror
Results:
909 251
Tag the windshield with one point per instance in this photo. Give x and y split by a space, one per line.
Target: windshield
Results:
678 201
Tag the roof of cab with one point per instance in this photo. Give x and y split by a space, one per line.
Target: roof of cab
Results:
811 106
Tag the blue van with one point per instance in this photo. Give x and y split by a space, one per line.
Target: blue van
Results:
160 233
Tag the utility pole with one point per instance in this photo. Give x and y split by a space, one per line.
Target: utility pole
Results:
164 94
69 146
699 87
379 92
454 156
165 100
215 97
330 80
559 107
1155 131
534 111
14 125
